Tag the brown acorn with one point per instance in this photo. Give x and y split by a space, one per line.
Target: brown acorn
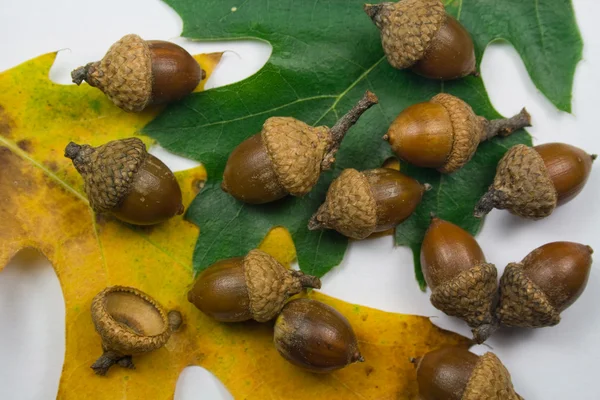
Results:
122 178
315 336
252 287
453 373
136 73
535 291
361 203
286 157
531 182
462 283
130 322
444 133
418 34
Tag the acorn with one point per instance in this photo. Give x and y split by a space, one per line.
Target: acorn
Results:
420 35
361 203
123 179
532 182
535 291
453 373
252 287
286 157
462 283
444 133
130 322
315 336
136 73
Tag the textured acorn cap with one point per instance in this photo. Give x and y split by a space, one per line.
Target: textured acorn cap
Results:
522 302
407 28
270 284
124 74
349 208
522 186
296 150
121 338
490 380
107 170
470 296
467 130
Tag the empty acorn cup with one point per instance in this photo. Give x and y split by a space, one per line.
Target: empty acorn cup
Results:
130 322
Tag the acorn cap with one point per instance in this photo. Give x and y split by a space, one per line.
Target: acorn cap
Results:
522 186
467 129
490 380
296 150
123 332
470 296
108 170
349 208
124 74
407 28
270 284
522 302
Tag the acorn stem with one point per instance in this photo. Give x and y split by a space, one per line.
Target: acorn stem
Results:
110 358
307 281
505 126
486 204
373 11
483 332
315 223
72 150
80 74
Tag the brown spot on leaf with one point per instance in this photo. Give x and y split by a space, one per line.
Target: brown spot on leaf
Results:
364 317
6 123
52 165
25 145
369 370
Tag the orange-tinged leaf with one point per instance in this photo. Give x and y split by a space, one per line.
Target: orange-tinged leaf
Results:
43 208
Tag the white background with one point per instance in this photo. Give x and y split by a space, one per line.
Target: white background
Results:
552 363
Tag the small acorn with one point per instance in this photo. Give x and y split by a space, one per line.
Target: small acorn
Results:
535 291
315 336
462 283
252 287
286 157
130 322
418 34
453 373
136 73
122 178
444 133
361 203
531 182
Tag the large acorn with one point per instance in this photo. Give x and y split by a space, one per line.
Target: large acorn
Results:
532 182
136 73
252 287
551 278
453 373
122 178
361 203
418 34
130 322
462 283
444 133
286 157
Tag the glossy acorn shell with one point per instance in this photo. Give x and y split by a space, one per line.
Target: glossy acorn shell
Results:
315 336
450 55
445 373
154 195
568 167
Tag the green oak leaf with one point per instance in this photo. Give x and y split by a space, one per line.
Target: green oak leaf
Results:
325 55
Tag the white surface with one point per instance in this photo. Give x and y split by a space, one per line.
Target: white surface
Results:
551 363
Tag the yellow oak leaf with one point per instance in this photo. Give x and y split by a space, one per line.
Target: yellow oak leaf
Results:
43 208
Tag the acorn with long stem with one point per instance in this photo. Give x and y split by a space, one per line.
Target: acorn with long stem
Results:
286 157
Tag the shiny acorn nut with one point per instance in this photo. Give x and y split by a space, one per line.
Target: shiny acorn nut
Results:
315 336
444 133
462 283
535 291
532 182
252 287
453 373
122 178
361 203
418 34
130 322
286 157
136 73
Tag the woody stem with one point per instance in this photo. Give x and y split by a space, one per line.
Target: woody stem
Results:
504 127
307 281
